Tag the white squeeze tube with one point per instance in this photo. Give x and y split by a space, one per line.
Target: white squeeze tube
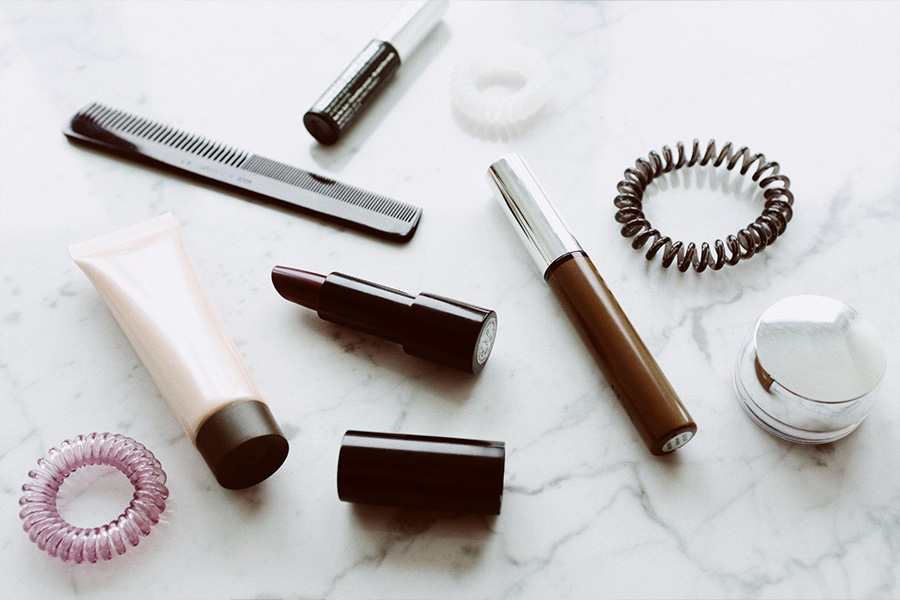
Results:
152 288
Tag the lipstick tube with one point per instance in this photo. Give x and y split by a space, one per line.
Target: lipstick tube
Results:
370 71
636 379
446 331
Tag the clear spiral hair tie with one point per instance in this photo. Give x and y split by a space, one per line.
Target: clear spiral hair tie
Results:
493 115
52 533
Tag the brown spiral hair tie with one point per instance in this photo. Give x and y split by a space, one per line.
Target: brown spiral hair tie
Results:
753 238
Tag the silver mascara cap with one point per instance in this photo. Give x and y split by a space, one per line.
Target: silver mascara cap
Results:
543 232
412 24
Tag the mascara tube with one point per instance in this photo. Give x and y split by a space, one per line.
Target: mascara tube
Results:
640 385
370 71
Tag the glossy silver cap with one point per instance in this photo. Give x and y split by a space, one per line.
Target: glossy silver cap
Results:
544 233
412 24
810 369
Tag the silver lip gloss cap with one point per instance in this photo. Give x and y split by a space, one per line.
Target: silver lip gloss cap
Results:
534 218
412 24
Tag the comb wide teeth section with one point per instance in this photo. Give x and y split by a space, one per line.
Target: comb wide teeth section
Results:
122 122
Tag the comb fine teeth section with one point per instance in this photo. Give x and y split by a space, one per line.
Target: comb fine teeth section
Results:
328 187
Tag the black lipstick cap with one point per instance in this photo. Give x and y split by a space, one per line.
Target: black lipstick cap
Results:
417 471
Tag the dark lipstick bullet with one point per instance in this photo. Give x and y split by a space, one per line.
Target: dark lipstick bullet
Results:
439 329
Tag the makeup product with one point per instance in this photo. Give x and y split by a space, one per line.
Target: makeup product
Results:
371 70
633 374
258 177
418 471
439 329
753 238
810 369
500 90
59 538
150 285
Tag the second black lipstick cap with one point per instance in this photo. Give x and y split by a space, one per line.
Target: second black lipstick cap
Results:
418 471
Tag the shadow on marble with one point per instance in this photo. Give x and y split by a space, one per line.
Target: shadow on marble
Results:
834 455
252 500
335 158
431 378
470 530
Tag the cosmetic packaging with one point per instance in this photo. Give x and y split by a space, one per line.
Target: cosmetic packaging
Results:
636 379
371 70
446 331
147 280
810 369
418 471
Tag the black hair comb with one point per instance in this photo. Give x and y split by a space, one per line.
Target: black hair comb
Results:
259 177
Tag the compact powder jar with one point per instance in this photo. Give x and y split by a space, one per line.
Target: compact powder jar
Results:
810 369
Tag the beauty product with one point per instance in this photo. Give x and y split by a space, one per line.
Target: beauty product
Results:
418 471
258 177
371 70
633 374
150 285
750 240
500 90
810 369
55 535
445 331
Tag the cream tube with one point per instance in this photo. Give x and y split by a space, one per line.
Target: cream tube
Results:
150 285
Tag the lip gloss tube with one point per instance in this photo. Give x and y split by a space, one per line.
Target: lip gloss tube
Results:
636 379
370 71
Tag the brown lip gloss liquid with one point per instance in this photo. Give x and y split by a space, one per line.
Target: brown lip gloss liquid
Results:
637 380
628 366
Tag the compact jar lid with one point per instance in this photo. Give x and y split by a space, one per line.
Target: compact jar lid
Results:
809 370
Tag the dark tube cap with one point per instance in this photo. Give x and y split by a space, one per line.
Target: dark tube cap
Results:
354 89
322 126
417 471
242 444
450 332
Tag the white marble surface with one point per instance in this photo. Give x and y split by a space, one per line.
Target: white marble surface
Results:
587 511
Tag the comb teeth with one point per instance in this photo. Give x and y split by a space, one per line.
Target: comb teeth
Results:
328 187
122 122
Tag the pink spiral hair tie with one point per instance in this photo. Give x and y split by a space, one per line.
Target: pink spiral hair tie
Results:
58 537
